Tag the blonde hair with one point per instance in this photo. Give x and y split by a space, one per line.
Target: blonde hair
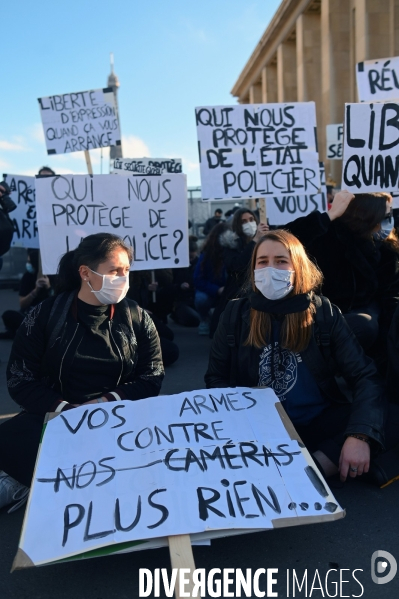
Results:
296 328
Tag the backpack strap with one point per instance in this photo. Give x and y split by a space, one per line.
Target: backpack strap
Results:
232 320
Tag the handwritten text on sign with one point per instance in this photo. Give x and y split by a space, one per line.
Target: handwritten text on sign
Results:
371 147
80 121
378 79
284 209
149 213
146 166
188 463
24 217
335 138
257 150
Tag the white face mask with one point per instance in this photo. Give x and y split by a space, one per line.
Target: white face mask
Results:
274 283
249 229
113 289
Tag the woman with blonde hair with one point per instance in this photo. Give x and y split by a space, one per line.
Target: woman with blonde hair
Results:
286 337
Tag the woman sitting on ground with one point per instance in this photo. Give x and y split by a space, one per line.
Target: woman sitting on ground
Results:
87 345
276 331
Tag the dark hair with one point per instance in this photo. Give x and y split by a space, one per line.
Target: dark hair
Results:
192 243
91 251
236 224
365 212
34 258
212 250
218 211
46 168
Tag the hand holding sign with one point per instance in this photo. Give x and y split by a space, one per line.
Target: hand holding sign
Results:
342 199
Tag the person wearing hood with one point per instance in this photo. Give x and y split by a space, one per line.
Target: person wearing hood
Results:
86 345
273 338
237 245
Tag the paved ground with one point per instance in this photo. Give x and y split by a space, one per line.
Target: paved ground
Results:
371 523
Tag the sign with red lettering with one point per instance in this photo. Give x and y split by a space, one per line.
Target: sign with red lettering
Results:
80 121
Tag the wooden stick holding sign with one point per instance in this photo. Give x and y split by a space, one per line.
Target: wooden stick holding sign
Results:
262 210
181 556
154 295
88 162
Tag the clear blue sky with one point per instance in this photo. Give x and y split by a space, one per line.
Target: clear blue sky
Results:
170 56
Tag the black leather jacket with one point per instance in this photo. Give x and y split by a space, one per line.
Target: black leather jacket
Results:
45 347
347 358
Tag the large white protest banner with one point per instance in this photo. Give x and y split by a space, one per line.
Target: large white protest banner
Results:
257 150
149 213
335 138
24 216
378 79
371 147
284 209
207 462
80 121
146 166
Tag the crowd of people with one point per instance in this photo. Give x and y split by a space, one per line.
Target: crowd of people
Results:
310 310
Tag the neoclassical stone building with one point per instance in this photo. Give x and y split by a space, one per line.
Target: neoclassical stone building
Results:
309 52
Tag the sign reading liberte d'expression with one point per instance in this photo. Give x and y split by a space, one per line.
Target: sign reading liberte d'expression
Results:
371 147
80 121
258 150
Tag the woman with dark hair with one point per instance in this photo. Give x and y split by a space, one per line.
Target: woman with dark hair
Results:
209 277
356 249
277 338
88 344
32 290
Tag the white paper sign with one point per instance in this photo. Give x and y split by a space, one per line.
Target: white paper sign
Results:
371 147
149 213
24 216
285 209
80 121
202 461
335 138
257 150
146 166
378 79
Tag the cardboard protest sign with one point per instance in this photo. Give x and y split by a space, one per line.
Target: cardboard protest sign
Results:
80 121
24 216
335 138
146 166
371 147
378 79
285 209
149 213
208 462
257 150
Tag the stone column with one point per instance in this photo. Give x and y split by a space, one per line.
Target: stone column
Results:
286 72
255 93
269 83
394 28
335 70
308 54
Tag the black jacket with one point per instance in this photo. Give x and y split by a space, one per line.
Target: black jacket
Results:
347 358
356 271
41 360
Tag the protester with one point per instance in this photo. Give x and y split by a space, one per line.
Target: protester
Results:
213 221
357 251
209 277
271 339
7 205
32 291
87 345
238 244
46 171
142 290
184 312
